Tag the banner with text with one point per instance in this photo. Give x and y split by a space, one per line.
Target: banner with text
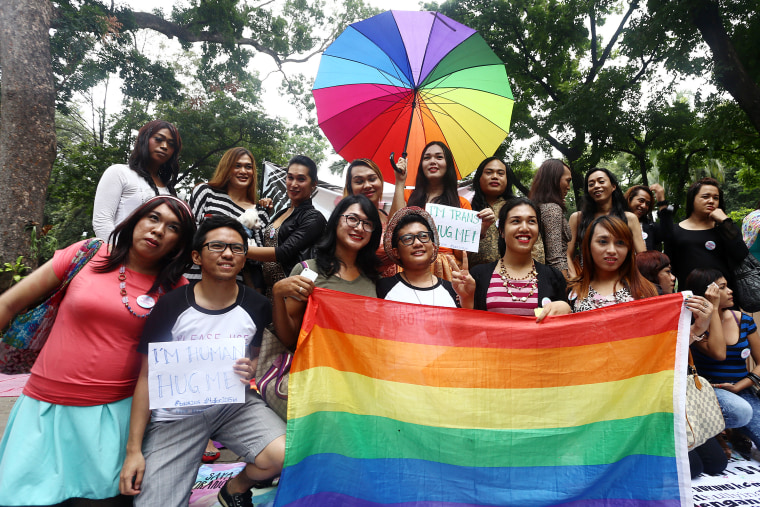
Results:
458 228
198 372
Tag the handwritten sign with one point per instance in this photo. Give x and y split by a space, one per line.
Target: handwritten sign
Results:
458 228
198 372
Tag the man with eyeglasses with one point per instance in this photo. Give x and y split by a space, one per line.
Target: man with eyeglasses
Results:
165 445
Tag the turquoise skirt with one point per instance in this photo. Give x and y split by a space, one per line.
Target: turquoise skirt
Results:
50 453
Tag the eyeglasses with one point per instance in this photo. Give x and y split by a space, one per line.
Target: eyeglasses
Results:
221 246
408 239
353 220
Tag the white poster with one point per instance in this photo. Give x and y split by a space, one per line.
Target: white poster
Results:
195 372
458 228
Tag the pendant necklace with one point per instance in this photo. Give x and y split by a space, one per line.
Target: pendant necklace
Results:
414 289
144 301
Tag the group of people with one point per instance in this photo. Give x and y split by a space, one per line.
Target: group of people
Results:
85 408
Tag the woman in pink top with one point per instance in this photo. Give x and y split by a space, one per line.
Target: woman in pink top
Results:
67 433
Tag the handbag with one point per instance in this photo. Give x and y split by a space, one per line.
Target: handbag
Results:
273 372
28 331
747 284
704 418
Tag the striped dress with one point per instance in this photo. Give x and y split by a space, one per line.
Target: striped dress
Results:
206 201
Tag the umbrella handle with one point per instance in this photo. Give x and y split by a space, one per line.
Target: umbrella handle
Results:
393 163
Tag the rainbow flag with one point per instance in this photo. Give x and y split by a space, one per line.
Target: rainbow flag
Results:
398 404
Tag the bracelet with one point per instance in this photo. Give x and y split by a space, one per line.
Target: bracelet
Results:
700 337
754 378
664 202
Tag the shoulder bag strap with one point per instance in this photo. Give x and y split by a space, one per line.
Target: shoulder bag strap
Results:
88 249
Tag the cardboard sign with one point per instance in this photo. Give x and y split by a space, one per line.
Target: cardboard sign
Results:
197 372
458 228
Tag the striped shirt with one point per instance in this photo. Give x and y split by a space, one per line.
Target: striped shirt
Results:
734 368
206 201
499 300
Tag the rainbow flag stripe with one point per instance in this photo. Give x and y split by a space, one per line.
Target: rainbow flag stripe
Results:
397 404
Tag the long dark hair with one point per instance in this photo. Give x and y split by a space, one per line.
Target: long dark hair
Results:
140 156
308 163
504 213
588 210
449 197
479 201
366 259
694 189
630 277
172 267
546 183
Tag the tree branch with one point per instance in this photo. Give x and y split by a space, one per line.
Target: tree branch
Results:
152 22
596 65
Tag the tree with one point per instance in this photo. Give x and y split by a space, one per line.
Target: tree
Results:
571 86
27 138
731 31
91 39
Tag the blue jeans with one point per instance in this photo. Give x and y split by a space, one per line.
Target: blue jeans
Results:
741 411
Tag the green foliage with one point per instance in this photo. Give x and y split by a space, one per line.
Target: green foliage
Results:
14 272
737 216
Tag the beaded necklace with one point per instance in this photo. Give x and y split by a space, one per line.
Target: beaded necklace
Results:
149 303
531 281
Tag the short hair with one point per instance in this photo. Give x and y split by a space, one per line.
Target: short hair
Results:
305 161
479 201
176 264
546 183
218 222
700 278
223 172
139 159
694 189
406 220
504 213
360 162
650 263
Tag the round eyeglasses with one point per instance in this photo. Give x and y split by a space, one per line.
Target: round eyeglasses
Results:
353 221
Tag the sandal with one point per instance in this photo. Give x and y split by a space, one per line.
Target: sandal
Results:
210 456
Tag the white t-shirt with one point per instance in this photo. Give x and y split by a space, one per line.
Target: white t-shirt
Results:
395 288
120 191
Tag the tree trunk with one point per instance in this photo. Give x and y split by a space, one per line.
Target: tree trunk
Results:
729 69
27 121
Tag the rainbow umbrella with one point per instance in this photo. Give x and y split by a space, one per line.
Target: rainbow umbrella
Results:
398 80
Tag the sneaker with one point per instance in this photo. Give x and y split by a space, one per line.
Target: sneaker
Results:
238 500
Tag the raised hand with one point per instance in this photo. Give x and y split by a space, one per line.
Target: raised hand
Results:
462 282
